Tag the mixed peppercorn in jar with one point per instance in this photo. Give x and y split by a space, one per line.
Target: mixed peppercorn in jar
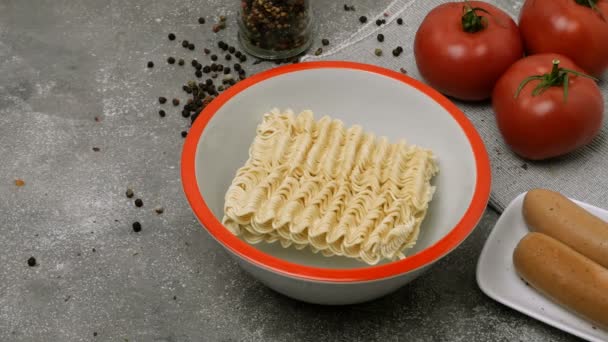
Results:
275 29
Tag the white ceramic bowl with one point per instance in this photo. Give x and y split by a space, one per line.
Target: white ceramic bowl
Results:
383 102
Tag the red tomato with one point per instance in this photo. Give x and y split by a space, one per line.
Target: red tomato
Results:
547 124
465 64
567 28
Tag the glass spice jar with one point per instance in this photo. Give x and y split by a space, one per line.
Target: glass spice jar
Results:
275 29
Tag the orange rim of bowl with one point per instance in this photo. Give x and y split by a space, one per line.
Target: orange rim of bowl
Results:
252 255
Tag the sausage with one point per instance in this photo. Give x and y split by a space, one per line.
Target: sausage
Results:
553 214
564 275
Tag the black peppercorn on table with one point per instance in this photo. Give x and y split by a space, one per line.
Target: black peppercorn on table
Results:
97 242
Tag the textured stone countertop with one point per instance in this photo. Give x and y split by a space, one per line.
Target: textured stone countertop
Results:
64 63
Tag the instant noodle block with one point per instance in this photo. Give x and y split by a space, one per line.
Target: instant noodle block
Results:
337 190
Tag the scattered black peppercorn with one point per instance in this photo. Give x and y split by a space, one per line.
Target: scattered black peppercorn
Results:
397 51
206 51
180 61
136 227
184 134
129 193
346 8
231 49
325 41
162 115
214 58
194 63
243 58
187 89
206 69
201 20
214 67
238 54
363 19
171 36
94 333
96 149
237 67
378 22
228 57
185 44
399 21
199 66
191 46
150 64
198 73
209 82
171 60
220 67
193 117
175 102
139 203
31 262
162 100
380 37
185 113
226 70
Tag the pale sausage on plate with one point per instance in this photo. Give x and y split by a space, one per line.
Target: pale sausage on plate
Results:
563 274
555 215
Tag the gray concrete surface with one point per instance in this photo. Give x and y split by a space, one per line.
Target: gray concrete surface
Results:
63 63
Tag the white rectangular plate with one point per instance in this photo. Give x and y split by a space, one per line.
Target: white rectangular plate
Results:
497 278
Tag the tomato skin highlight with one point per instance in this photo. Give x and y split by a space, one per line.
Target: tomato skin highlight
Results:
545 126
466 65
567 28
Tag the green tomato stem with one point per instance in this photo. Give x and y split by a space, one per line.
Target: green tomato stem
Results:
558 77
471 21
587 3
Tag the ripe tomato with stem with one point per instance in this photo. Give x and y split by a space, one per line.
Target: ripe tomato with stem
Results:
546 106
462 48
